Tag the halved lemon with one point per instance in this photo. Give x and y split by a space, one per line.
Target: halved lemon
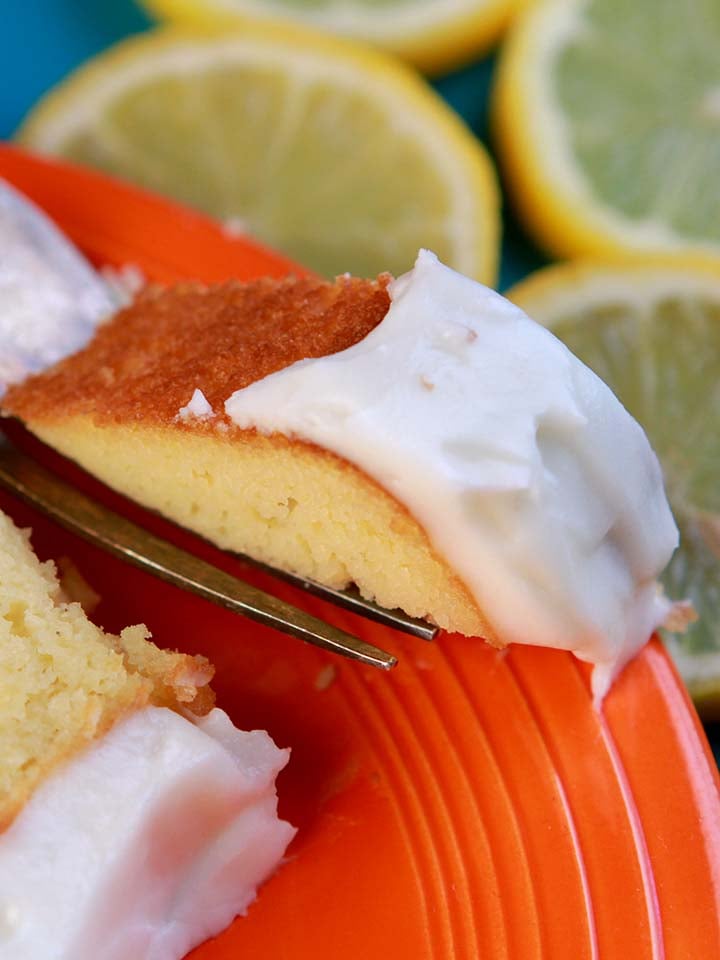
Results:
435 35
651 330
607 122
335 154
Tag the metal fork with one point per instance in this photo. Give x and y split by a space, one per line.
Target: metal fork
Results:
23 476
25 229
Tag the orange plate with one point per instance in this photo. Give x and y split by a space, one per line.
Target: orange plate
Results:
471 803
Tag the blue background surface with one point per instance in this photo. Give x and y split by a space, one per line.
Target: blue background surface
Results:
42 40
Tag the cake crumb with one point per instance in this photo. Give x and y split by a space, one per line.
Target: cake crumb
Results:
234 227
74 588
681 615
426 382
9 919
422 664
325 677
125 282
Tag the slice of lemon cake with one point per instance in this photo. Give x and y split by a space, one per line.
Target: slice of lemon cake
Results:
420 437
135 820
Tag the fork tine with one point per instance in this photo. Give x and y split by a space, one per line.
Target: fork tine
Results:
23 476
351 599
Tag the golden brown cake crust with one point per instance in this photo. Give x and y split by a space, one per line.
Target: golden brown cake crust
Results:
143 365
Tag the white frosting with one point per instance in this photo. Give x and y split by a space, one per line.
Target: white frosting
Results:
198 407
51 299
526 472
144 845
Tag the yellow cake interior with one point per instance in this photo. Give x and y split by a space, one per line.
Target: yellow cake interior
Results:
285 503
63 681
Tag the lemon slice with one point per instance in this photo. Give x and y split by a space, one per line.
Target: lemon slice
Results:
651 330
607 122
435 35
336 155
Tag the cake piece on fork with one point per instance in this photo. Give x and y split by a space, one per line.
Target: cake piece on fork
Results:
419 437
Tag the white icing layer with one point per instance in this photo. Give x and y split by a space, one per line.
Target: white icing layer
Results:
144 845
51 299
528 475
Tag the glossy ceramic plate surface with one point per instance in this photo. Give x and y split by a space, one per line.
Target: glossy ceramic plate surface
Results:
472 803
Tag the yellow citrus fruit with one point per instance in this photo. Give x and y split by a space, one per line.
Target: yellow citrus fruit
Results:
607 121
337 155
651 330
435 35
